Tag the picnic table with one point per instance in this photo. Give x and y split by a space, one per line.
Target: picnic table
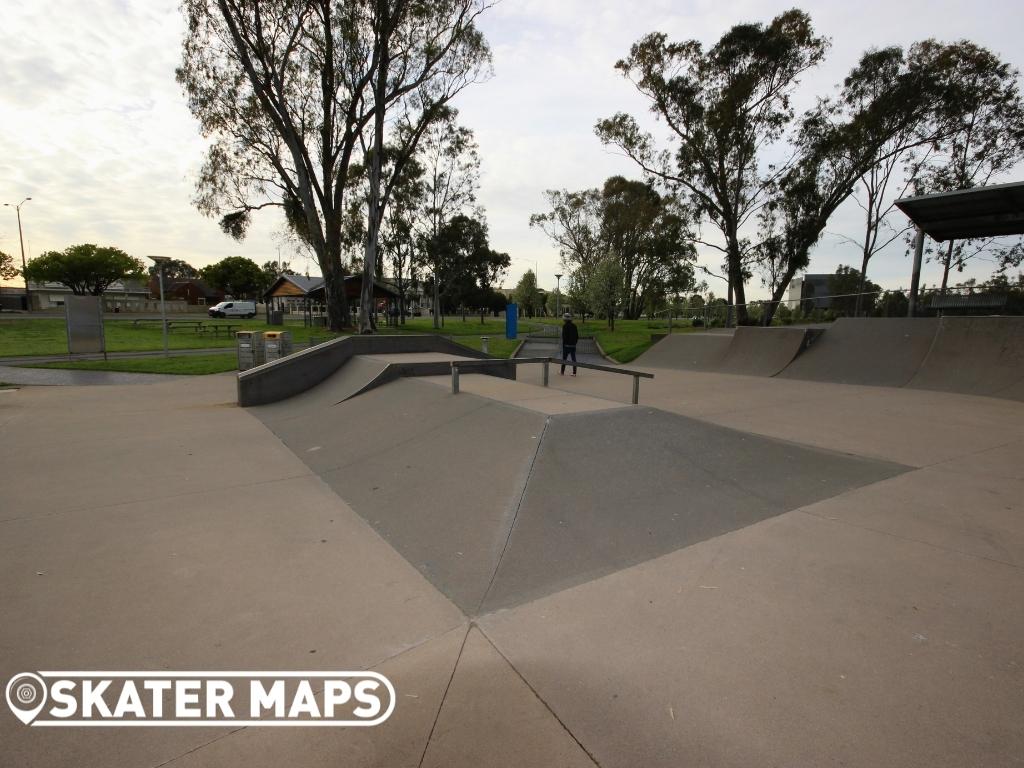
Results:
196 326
228 328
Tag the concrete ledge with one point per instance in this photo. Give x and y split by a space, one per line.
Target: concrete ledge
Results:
292 375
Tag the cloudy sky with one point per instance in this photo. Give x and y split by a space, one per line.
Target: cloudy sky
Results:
96 131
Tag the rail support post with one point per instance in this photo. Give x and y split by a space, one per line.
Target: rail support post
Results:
636 390
455 379
546 364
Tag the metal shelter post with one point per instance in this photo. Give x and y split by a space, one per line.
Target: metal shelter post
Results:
915 277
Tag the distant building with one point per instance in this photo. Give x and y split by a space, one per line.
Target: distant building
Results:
192 291
121 294
811 289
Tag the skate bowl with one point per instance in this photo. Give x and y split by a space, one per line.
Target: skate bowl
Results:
976 356
876 351
687 352
764 351
298 373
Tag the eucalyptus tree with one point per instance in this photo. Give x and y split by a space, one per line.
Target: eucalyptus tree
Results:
722 106
449 156
293 93
984 112
889 104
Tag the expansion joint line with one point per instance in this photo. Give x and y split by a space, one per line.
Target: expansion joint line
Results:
515 515
444 696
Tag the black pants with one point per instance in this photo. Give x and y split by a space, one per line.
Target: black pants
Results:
569 353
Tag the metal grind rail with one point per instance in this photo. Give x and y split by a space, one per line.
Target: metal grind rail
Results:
546 363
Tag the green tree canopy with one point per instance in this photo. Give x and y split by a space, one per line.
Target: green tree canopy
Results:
237 276
646 231
86 269
847 281
7 268
604 289
175 269
466 266
526 294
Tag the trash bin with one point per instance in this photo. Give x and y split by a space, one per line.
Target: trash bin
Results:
250 349
277 344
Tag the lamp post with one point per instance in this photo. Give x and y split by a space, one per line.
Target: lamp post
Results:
161 262
21 241
558 296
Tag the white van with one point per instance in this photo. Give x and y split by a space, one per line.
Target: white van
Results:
233 309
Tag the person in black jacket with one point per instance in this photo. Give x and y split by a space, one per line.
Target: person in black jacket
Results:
570 336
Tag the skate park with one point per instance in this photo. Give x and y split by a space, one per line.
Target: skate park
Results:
768 559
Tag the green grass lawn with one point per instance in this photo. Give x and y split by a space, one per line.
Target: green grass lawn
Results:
187 365
47 336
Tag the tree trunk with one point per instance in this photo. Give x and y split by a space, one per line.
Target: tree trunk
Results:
337 301
863 281
367 321
945 267
437 302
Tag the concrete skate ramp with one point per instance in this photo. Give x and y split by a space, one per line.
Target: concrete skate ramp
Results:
297 373
356 375
763 351
437 475
586 350
495 504
976 356
871 350
687 352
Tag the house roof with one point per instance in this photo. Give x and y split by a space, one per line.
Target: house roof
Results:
311 285
978 212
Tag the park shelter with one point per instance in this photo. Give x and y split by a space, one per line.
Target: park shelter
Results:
299 293
990 211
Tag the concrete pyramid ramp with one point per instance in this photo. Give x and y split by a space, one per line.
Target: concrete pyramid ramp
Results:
872 350
496 505
976 356
687 352
763 351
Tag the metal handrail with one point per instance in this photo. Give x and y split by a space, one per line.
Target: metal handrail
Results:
546 362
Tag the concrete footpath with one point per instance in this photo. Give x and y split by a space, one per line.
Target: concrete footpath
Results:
548 577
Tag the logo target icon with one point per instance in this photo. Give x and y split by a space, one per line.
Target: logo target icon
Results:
26 696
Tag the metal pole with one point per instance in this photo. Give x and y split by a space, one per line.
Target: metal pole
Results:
915 278
636 390
546 364
21 241
558 295
163 308
455 379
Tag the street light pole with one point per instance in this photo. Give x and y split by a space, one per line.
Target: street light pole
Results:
160 262
558 296
21 241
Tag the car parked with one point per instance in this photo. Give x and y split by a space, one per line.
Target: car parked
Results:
245 309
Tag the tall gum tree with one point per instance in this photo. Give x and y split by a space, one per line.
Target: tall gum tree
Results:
722 107
290 94
882 111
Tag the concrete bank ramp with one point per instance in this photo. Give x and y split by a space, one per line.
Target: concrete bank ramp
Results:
976 356
687 352
879 351
356 375
763 351
295 374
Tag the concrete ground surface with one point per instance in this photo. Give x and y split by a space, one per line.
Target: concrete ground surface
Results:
739 572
